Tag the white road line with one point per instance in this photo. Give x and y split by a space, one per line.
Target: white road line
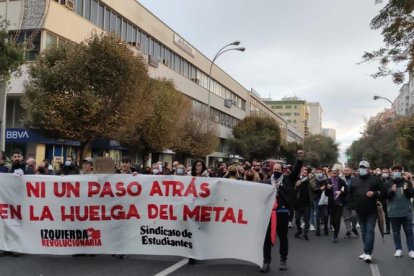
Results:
173 268
375 270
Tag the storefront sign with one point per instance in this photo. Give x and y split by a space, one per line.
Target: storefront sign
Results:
184 45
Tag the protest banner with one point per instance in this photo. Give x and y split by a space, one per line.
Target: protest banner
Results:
201 218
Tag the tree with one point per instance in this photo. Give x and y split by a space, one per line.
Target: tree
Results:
85 91
382 144
256 138
320 150
289 151
405 127
199 137
11 56
397 24
161 125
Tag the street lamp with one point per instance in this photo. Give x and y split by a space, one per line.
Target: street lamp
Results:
380 97
3 87
392 104
219 53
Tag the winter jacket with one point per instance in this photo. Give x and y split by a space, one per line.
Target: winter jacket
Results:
357 197
399 202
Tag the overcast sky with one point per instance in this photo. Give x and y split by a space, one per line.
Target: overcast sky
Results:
303 48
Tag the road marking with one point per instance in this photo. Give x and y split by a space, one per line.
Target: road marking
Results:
375 270
172 268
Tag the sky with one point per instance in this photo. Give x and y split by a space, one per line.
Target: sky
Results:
308 49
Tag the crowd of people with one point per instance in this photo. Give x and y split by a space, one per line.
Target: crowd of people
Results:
309 199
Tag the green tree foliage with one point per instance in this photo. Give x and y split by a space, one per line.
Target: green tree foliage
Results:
405 127
161 124
320 150
256 138
289 151
11 56
199 137
84 91
383 144
397 24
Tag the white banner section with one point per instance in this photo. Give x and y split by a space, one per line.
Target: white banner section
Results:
201 218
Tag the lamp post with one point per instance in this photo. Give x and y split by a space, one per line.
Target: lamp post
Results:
219 53
380 97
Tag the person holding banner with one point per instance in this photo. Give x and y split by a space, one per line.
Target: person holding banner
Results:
3 168
284 187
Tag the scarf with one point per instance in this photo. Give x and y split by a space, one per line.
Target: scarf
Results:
276 182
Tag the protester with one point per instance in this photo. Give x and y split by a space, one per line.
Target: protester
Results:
385 177
399 192
318 186
284 186
68 167
302 203
336 191
30 167
87 165
350 219
18 165
364 192
3 167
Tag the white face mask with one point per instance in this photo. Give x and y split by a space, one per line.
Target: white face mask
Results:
155 171
180 171
68 163
363 171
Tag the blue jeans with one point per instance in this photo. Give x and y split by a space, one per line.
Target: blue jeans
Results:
406 223
367 224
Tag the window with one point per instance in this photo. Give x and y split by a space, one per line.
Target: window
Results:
51 40
144 44
130 33
113 22
124 31
118 28
288 106
87 13
101 14
79 7
94 12
107 20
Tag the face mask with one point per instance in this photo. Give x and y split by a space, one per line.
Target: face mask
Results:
319 175
277 174
363 171
41 170
385 175
155 171
396 175
180 172
232 173
249 177
68 163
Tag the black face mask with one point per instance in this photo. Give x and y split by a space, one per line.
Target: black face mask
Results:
250 178
277 174
232 173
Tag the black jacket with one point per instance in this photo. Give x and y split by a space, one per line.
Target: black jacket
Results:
68 170
302 194
357 197
285 195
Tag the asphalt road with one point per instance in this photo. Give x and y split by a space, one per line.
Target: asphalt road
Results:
318 256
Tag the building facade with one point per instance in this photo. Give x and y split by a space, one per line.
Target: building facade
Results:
315 118
294 110
403 104
42 24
